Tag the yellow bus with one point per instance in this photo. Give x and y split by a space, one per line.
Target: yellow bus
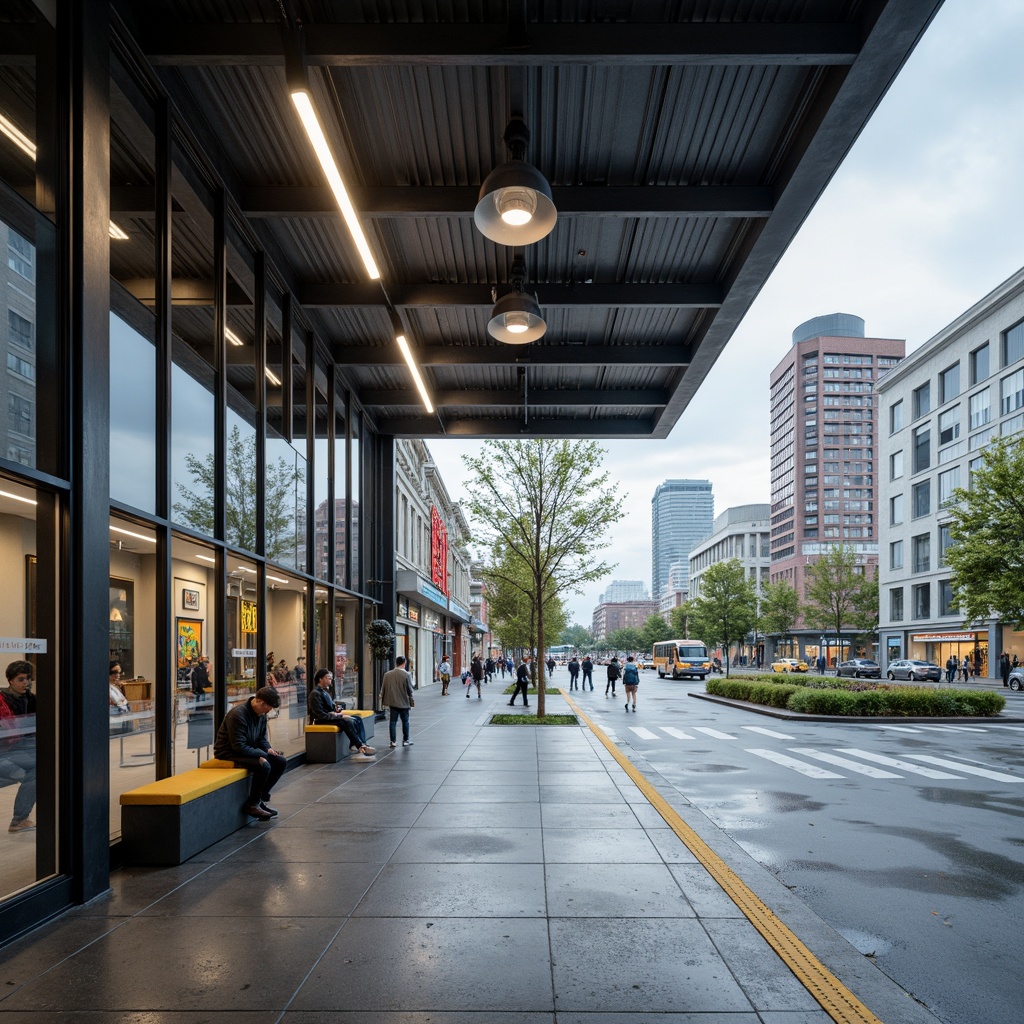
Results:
679 658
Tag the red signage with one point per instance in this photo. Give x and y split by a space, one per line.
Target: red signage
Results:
438 551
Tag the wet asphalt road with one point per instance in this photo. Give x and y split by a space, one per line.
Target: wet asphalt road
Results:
908 840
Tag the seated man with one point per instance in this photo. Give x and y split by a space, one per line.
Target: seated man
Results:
320 705
243 739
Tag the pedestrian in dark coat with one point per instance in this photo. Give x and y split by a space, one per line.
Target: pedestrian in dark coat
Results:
588 672
574 671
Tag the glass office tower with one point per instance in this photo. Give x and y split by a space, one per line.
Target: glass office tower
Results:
682 512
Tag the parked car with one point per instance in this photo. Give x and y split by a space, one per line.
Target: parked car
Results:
860 668
789 665
1017 678
909 668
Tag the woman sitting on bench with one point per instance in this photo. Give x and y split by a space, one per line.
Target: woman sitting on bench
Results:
320 705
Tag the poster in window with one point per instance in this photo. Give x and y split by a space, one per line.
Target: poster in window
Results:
190 640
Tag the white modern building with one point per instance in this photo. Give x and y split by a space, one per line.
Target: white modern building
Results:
937 412
742 532
624 590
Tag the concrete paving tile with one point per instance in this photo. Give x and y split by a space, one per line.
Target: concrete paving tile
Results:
449 889
654 1017
496 965
612 890
598 846
796 1017
517 793
480 815
345 814
703 893
315 889
406 791
327 845
465 845
426 1017
599 793
133 889
768 983
586 815
200 966
140 1017
672 849
635 965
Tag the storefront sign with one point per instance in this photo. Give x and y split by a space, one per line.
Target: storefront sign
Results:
457 609
414 612
249 618
23 644
944 638
403 607
243 652
438 552
429 590
431 620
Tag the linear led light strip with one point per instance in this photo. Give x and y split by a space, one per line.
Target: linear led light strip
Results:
304 106
28 147
234 339
414 370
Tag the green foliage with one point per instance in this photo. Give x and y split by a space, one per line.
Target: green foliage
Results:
987 529
653 630
629 638
679 622
195 509
839 597
726 608
578 636
507 719
522 500
780 607
380 636
758 690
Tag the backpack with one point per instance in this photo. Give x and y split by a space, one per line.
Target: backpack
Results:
630 675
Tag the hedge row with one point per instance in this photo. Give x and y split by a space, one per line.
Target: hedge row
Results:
858 701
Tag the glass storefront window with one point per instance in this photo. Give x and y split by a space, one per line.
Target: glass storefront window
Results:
341 497
29 690
133 660
132 416
242 613
324 521
192 432
241 480
286 668
354 506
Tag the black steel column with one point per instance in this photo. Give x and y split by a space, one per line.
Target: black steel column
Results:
84 221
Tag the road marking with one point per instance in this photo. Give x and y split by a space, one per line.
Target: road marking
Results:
644 734
713 733
843 762
954 728
811 770
895 762
969 769
678 733
767 732
898 728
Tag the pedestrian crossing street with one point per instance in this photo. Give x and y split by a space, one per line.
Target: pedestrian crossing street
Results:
810 760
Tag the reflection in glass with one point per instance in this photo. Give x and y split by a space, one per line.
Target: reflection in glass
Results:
241 482
285 491
341 497
192 462
132 417
18 342
354 505
325 519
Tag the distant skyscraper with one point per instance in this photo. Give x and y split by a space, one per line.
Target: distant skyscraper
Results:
625 590
682 512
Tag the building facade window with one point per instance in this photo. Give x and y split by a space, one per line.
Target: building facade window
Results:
896 465
922 549
980 409
979 363
922 449
896 510
949 383
1011 392
922 499
896 554
1013 344
922 400
21 331
948 482
949 425
946 604
896 417
896 604
922 600
945 541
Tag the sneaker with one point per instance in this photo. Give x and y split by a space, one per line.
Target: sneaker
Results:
634 707
467 695
367 749
627 705
406 743
24 825
255 811
269 810
362 757
353 748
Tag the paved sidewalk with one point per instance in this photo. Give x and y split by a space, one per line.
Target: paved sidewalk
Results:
515 875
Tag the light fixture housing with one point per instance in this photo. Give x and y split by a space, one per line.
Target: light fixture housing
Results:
515 206
516 318
403 347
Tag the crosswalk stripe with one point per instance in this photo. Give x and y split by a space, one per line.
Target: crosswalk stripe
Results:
678 733
644 734
895 762
955 728
898 728
713 732
786 761
767 732
843 762
968 768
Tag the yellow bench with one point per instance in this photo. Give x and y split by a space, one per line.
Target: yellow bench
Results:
327 744
170 820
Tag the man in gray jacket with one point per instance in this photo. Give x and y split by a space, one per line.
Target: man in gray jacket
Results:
396 694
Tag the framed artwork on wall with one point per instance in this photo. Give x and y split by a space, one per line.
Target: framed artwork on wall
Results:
190 600
122 624
190 640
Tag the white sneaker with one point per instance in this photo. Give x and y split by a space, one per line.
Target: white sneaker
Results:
406 743
392 744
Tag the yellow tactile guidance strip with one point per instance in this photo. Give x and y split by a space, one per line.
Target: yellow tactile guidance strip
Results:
833 996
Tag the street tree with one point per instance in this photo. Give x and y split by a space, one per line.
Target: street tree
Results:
986 557
679 621
195 507
578 636
779 609
655 629
513 612
522 498
627 638
839 595
726 607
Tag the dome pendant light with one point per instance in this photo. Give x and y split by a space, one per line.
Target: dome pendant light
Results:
516 318
515 205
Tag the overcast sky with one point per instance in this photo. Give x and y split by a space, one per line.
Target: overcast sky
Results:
923 219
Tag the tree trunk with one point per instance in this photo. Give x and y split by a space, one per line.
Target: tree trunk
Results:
541 667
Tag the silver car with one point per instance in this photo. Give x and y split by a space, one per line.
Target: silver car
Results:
913 670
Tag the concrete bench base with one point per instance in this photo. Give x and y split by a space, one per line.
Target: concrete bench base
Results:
164 824
327 744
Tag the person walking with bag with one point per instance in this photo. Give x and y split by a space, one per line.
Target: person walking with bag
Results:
613 675
476 668
396 695
574 672
588 672
444 670
630 681
522 682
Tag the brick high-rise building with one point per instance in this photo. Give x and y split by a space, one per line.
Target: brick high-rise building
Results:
824 450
